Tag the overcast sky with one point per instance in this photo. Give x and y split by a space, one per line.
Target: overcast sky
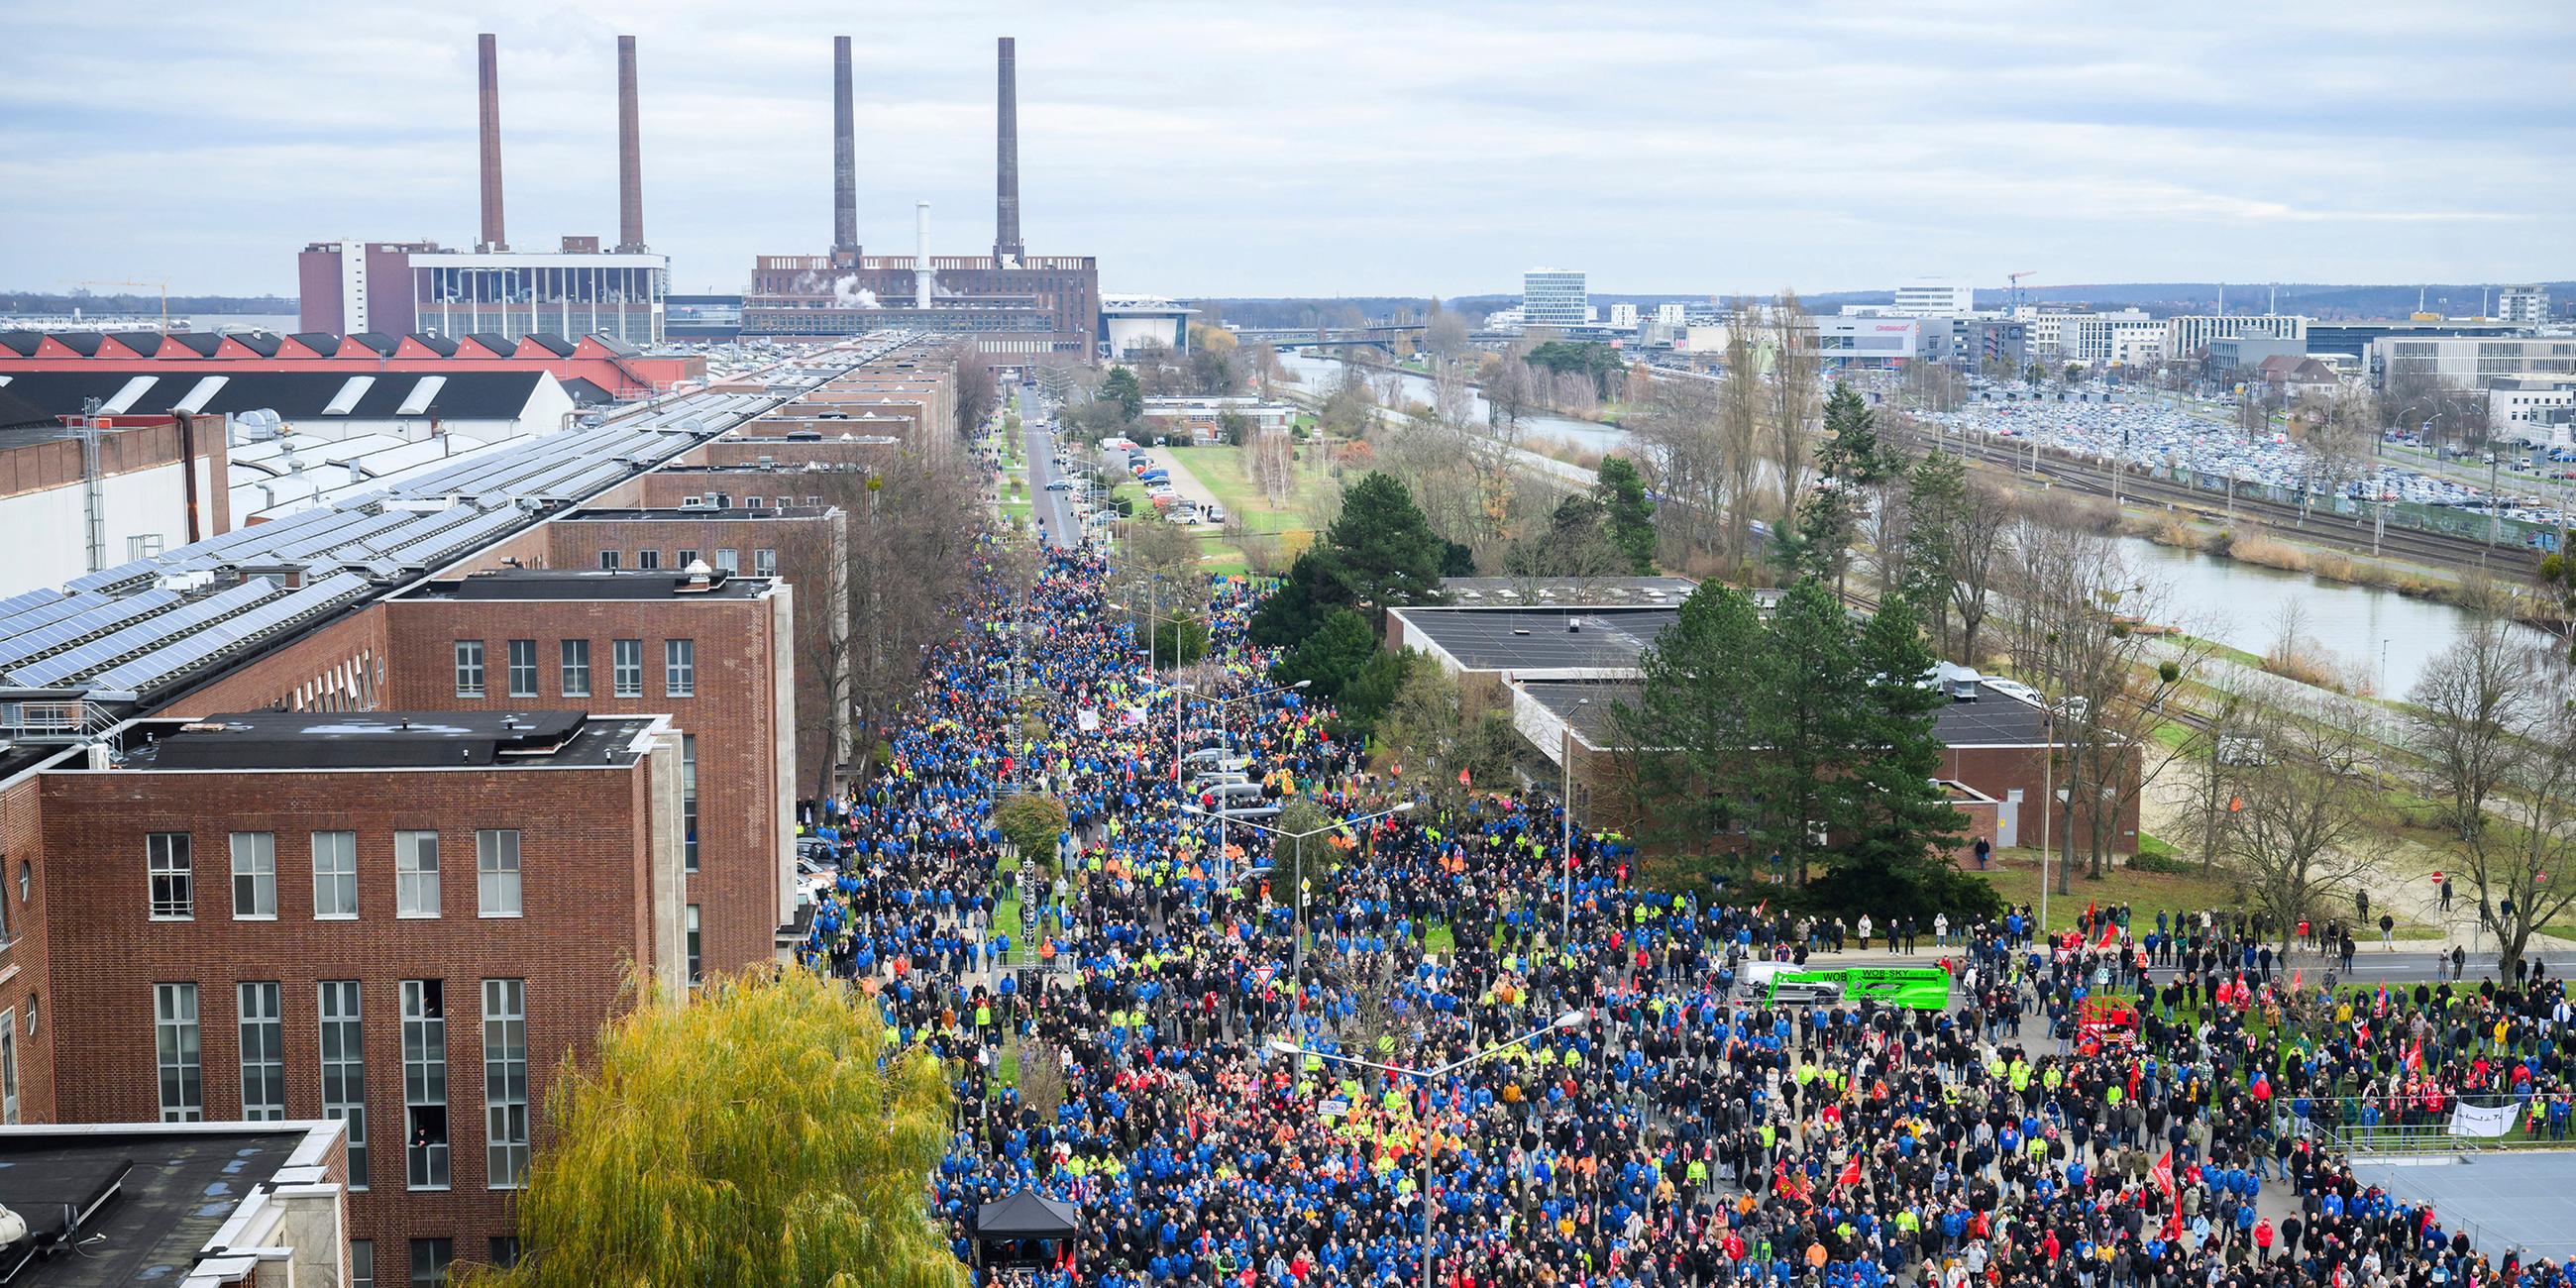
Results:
1327 148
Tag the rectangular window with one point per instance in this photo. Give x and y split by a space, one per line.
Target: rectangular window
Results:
686 557
679 668
174 896
254 876
728 561
505 1082
344 1068
335 876
764 563
429 1258
263 1053
362 1263
755 503
424 1038
626 659
689 802
496 872
415 874
608 560
694 959
648 560
505 1251
174 1040
469 668
9 1062
523 668
576 668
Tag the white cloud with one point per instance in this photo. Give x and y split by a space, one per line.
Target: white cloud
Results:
1319 148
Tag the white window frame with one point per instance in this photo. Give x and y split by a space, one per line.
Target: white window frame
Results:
696 957
469 669
415 882
497 888
426 1166
626 668
340 878
573 659
178 1053
260 1009
679 668
171 857
518 669
764 563
505 1083
341 1008
9 1064
255 875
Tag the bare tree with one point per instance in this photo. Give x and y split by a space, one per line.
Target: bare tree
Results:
2215 763
2299 840
1739 430
1792 397
2509 866
2467 719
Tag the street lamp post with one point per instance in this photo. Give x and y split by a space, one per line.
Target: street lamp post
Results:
1225 869
1565 808
1297 892
1424 1078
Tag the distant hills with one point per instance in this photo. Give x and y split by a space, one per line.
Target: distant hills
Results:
2322 300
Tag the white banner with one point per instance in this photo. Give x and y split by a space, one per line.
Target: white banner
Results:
1088 719
2481 1120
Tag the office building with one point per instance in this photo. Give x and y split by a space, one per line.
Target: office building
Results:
2522 305
2531 410
1554 297
1623 317
2190 336
1671 314
2470 362
1934 298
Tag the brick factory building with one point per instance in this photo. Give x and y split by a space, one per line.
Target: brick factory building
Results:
402 921
1013 304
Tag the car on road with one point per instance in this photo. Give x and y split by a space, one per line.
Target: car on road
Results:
1060 485
1216 514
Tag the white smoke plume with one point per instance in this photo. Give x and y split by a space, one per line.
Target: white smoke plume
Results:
848 294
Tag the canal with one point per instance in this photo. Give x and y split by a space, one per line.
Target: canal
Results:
2380 637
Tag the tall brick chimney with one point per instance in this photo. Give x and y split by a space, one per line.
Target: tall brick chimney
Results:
490 57
845 156
630 153
1006 168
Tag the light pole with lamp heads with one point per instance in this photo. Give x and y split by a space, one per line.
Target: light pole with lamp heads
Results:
1424 1077
1297 892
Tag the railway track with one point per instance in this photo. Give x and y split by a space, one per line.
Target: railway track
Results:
2342 532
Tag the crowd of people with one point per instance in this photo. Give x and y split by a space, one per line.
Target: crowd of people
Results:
1543 1072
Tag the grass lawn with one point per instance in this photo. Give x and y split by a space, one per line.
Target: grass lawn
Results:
2016 877
1440 940
1222 471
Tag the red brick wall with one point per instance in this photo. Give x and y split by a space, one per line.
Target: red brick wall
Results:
734 717
1998 771
25 969
336 667
583 842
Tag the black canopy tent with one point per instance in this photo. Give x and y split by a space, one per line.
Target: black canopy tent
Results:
1024 1216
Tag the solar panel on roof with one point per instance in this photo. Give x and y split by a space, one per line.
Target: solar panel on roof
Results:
71 630
19 603
124 574
143 636
62 606
284 610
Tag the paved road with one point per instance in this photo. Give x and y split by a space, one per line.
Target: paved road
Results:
1052 510
2369 966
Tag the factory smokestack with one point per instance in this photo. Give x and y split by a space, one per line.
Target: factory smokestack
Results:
1006 169
630 153
845 156
490 58
921 256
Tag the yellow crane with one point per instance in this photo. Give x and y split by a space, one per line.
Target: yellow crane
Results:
163 286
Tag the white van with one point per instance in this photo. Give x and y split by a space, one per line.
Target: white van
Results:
1756 977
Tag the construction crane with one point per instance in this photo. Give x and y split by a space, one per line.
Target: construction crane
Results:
162 286
2016 287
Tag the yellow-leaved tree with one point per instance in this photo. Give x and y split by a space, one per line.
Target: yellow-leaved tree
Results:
768 1132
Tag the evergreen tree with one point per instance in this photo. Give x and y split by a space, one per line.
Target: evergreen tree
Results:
1380 551
1330 657
1849 461
1121 387
1622 491
1803 719
1693 715
1297 606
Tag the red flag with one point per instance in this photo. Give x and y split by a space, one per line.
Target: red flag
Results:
2415 1057
1851 1173
1757 908
2163 1173
2110 934
1462 778
2297 977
